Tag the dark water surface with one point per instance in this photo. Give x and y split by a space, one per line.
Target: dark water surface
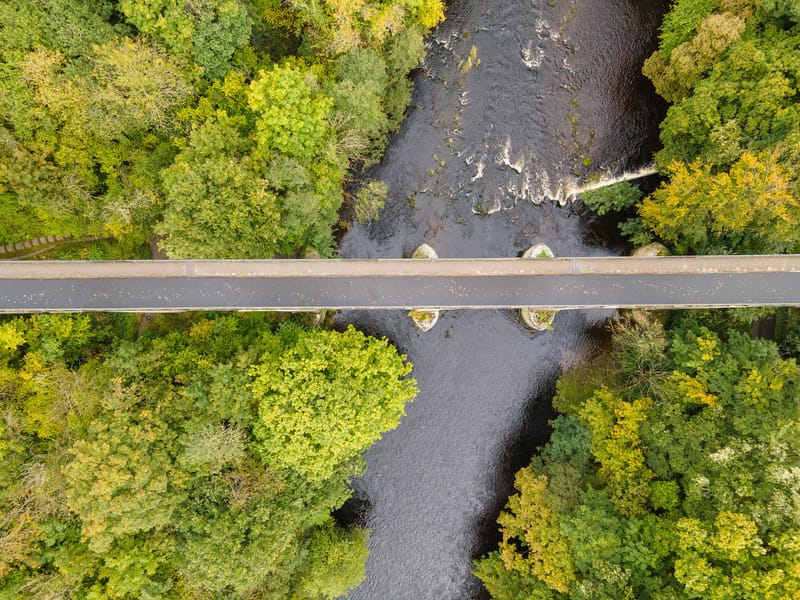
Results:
474 172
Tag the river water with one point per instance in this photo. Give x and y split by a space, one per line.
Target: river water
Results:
479 169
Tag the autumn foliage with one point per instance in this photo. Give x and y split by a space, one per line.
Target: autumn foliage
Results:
201 459
115 117
688 492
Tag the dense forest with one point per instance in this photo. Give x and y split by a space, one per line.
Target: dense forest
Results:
200 459
671 473
673 467
226 126
192 456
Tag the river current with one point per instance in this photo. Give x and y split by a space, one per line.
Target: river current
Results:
479 169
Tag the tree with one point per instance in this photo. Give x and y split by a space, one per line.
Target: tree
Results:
612 198
750 209
108 144
310 195
404 52
219 205
681 22
617 448
337 560
338 26
292 114
369 200
620 197
781 9
745 103
207 32
542 552
237 549
72 26
122 481
342 390
131 88
689 61
358 102
306 163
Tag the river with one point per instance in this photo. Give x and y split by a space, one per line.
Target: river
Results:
478 170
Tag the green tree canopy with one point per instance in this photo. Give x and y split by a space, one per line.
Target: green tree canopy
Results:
144 468
731 68
219 204
106 105
292 113
205 31
339 26
692 59
689 492
333 382
100 136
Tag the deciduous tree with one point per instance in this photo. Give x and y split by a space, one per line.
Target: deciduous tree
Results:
219 204
749 209
207 32
342 388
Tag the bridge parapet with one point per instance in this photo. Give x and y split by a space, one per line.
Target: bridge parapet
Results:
398 267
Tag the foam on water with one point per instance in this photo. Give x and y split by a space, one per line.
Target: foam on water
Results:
572 190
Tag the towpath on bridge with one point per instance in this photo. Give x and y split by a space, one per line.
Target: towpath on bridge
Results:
302 285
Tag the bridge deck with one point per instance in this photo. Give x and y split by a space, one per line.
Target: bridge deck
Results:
561 283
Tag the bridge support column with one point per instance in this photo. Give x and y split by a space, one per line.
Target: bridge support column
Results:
538 320
424 320
641 316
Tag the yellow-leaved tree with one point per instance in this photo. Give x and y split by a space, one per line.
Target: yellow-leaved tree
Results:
750 209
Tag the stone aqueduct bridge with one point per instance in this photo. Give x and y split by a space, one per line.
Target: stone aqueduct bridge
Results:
301 285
